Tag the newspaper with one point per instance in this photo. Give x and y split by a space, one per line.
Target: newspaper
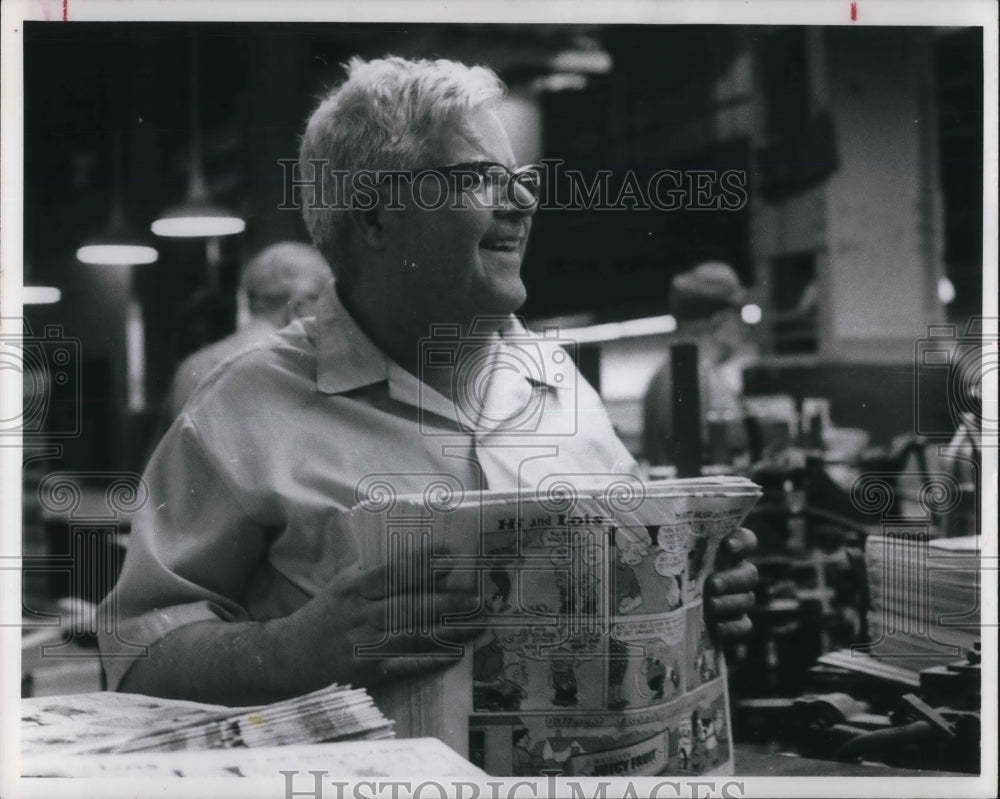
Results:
96 723
414 758
925 598
596 660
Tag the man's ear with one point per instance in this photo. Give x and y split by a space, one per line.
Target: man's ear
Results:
374 225
368 225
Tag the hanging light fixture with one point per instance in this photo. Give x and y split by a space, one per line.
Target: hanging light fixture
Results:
197 216
40 295
118 244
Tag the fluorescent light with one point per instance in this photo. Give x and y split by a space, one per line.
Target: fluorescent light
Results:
117 254
561 81
591 62
650 326
40 295
197 226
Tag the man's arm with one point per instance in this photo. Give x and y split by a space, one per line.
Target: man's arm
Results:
256 662
197 547
228 663
192 550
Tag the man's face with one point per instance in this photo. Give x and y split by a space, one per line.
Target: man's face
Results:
304 294
458 263
727 331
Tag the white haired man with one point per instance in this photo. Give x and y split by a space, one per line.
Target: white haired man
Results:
281 283
240 579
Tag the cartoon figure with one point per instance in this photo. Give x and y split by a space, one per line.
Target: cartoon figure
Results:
675 597
526 762
655 672
706 661
705 752
493 686
559 757
630 550
683 734
562 679
507 692
617 668
706 666
629 553
499 574
577 580
487 662
577 596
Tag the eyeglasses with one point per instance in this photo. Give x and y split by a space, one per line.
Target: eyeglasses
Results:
492 178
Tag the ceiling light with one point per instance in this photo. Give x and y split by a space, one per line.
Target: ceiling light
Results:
197 217
590 62
118 244
560 82
40 295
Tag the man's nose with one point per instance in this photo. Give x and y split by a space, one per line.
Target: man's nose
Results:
517 200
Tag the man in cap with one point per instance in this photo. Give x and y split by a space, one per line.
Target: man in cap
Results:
706 301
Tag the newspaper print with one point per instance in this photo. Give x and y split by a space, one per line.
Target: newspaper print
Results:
597 660
596 621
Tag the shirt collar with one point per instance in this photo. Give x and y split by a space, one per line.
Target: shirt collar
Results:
346 359
548 347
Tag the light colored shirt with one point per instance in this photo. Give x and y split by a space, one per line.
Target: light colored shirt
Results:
198 365
249 487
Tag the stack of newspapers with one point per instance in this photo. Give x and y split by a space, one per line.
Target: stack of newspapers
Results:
420 758
925 598
596 660
111 723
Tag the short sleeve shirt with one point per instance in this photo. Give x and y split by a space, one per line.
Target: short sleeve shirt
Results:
250 485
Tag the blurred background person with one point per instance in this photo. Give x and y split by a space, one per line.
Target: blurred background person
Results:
281 283
706 302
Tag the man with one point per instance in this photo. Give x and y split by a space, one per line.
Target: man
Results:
240 578
281 283
706 301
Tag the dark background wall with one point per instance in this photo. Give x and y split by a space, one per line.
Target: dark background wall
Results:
664 104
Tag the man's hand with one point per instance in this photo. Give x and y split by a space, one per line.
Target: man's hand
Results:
398 614
256 662
729 592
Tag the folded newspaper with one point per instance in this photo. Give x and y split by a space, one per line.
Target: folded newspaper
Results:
596 660
112 723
